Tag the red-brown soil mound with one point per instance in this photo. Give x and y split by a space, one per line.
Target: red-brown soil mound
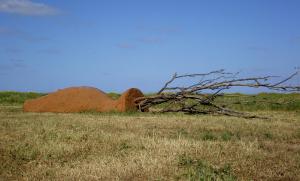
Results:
78 99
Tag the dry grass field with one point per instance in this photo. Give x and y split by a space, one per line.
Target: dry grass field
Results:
144 146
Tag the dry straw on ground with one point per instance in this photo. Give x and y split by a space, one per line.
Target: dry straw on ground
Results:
92 146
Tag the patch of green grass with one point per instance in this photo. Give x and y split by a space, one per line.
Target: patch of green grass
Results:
262 101
24 152
10 97
124 146
196 169
268 135
204 134
226 136
182 132
208 135
114 95
255 102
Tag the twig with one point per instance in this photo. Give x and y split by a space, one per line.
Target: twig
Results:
205 103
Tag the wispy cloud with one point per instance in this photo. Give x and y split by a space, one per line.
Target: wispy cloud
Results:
51 51
169 30
14 60
11 65
151 35
151 40
5 69
17 63
163 29
13 50
258 48
125 45
15 33
7 31
27 8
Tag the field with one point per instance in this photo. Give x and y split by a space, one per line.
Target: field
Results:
145 146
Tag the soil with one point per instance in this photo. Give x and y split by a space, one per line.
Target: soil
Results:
80 99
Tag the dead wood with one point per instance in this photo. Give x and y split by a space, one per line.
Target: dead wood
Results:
199 97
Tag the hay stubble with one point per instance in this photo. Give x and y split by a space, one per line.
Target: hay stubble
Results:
93 146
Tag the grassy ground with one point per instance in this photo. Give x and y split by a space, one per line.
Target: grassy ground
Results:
242 102
10 97
144 146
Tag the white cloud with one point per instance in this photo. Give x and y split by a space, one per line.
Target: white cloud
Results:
125 45
26 7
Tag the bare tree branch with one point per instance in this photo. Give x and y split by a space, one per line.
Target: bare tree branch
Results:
215 82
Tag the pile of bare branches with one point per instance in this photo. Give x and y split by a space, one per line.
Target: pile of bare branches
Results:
199 98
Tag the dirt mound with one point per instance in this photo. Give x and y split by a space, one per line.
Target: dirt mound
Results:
78 99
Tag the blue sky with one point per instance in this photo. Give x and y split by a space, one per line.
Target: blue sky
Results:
117 44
